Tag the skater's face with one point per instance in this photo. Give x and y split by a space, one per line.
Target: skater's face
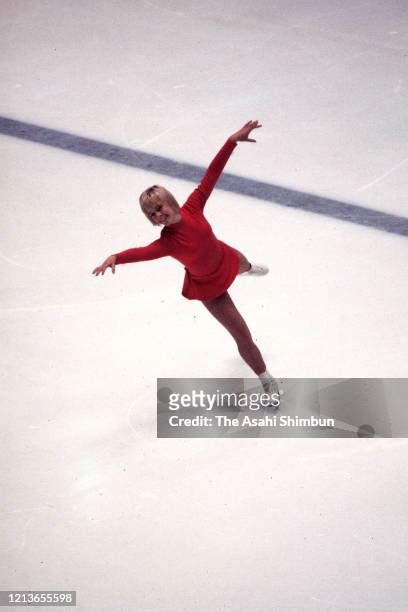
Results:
159 206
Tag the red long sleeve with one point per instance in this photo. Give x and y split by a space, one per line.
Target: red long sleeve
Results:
203 191
154 250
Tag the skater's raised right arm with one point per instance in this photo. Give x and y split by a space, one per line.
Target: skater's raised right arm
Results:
214 171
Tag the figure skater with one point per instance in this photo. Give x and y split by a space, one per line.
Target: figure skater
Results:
210 265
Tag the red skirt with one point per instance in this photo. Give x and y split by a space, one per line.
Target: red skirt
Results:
214 284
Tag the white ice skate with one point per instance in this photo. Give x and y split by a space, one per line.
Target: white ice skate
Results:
257 270
271 387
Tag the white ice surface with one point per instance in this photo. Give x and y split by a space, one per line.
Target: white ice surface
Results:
91 500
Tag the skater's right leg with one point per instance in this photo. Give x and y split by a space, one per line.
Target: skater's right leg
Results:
225 311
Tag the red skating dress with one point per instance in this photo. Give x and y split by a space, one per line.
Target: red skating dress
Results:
211 265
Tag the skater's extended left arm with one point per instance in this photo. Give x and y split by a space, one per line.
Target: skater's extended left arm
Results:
155 250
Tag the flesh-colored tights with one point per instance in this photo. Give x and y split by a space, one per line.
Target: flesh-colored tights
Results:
225 311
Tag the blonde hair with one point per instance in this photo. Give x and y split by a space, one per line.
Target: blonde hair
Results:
155 194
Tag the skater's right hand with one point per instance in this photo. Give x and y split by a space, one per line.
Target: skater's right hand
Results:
108 263
243 134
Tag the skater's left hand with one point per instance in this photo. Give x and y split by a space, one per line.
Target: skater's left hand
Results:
243 133
108 263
